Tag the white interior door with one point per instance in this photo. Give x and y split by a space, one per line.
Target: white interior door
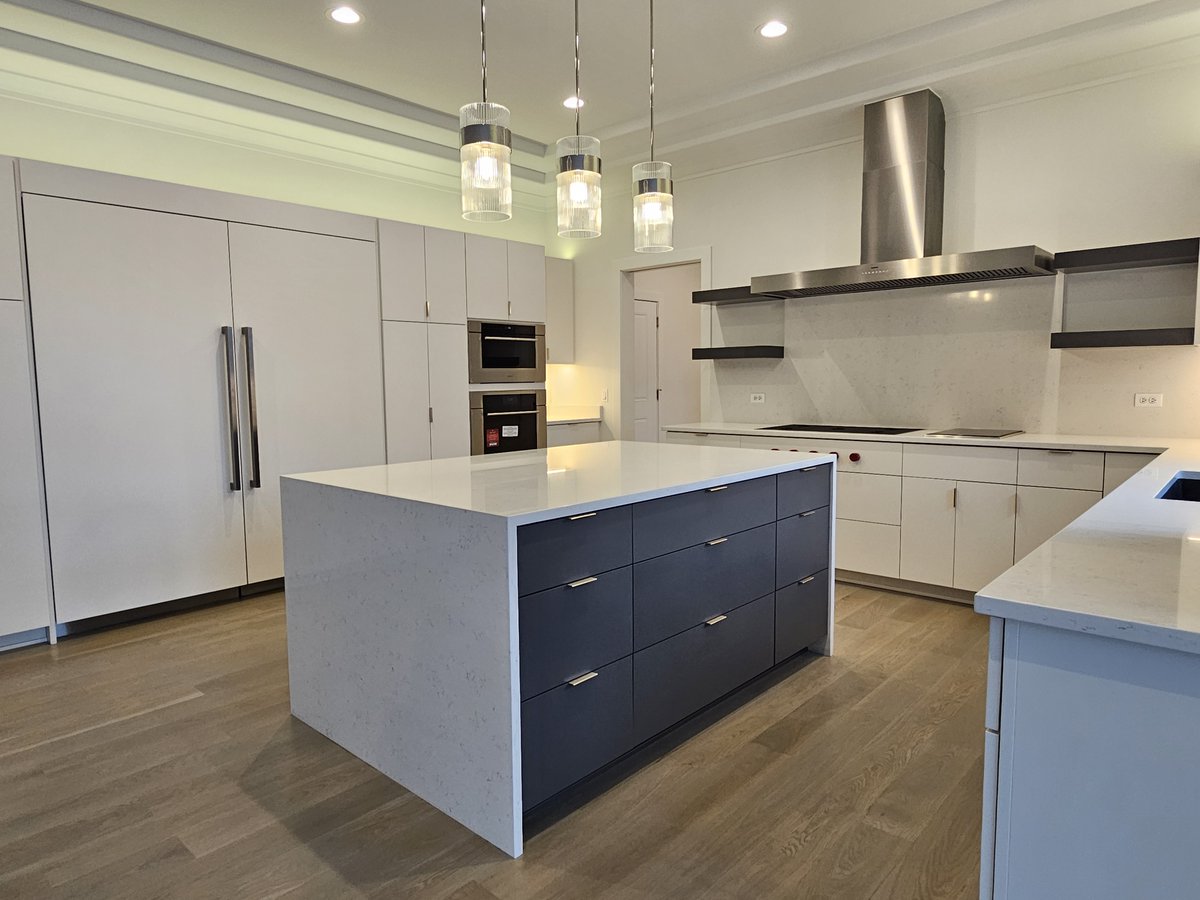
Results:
128 307
645 370
312 302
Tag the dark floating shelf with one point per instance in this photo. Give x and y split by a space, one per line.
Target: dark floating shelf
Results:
758 351
730 295
1129 256
1130 337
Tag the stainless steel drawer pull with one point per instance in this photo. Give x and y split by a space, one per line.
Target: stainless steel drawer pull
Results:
576 682
235 440
811 512
581 516
808 580
714 543
716 620
1061 452
718 488
252 401
582 581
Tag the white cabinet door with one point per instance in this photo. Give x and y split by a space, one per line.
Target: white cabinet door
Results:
926 530
24 596
402 271
128 307
487 277
868 547
1043 512
527 282
406 390
450 431
560 310
983 532
313 304
446 276
10 240
868 498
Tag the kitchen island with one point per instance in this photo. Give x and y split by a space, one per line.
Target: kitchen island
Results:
490 630
1091 787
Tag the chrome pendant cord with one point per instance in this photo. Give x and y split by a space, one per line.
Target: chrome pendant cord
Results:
483 44
651 80
578 98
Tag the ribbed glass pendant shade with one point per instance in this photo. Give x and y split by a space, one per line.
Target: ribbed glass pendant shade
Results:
653 208
579 214
486 165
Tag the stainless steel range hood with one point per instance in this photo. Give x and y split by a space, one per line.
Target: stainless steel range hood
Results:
904 140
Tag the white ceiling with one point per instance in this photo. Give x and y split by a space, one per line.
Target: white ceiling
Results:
720 86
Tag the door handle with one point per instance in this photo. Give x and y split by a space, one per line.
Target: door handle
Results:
582 581
500 337
809 580
235 440
720 487
581 516
576 682
811 512
252 398
715 620
715 542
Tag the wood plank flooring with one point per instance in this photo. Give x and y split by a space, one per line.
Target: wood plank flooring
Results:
158 760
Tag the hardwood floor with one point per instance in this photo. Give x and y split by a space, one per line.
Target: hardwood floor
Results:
159 760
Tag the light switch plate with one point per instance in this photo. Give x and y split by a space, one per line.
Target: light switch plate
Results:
1148 401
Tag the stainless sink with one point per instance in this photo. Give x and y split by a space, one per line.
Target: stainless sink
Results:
1184 486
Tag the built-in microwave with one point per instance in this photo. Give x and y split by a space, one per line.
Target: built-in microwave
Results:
500 352
503 421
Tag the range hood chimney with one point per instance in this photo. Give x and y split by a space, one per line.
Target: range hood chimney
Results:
904 154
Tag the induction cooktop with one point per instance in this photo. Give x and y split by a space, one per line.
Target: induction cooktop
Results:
976 432
846 429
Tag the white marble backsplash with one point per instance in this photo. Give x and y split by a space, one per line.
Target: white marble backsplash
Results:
937 357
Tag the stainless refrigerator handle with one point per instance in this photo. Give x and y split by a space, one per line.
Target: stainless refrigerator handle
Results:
252 397
235 441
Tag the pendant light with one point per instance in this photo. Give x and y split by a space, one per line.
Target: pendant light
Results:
578 172
486 151
653 203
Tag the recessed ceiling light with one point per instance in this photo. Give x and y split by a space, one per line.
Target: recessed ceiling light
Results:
573 102
772 29
345 15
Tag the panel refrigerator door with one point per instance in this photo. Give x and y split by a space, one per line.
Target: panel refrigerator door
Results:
127 308
312 302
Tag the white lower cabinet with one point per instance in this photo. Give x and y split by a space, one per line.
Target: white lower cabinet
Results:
572 433
1120 467
428 415
956 533
983 533
868 498
1043 512
698 439
312 302
128 307
868 547
24 593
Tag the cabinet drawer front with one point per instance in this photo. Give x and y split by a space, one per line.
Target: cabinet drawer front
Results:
677 591
801 615
802 490
1077 469
802 546
869 548
874 457
675 678
994 464
869 498
684 520
573 730
568 631
564 550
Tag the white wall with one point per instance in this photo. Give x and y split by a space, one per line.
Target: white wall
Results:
678 332
1108 164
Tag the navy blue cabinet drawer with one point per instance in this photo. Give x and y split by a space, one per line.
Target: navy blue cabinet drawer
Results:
802 546
677 591
573 730
675 678
803 490
801 615
570 630
563 550
672 523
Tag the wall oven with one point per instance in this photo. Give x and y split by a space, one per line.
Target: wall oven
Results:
502 421
499 352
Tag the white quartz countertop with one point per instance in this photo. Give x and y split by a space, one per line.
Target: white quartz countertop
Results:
534 485
1128 568
1111 443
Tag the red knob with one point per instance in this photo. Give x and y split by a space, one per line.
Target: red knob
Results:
855 457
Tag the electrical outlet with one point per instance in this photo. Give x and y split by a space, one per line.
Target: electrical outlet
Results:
1148 401
758 398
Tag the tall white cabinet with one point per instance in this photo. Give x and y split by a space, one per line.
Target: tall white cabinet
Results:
24 588
308 303
156 488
